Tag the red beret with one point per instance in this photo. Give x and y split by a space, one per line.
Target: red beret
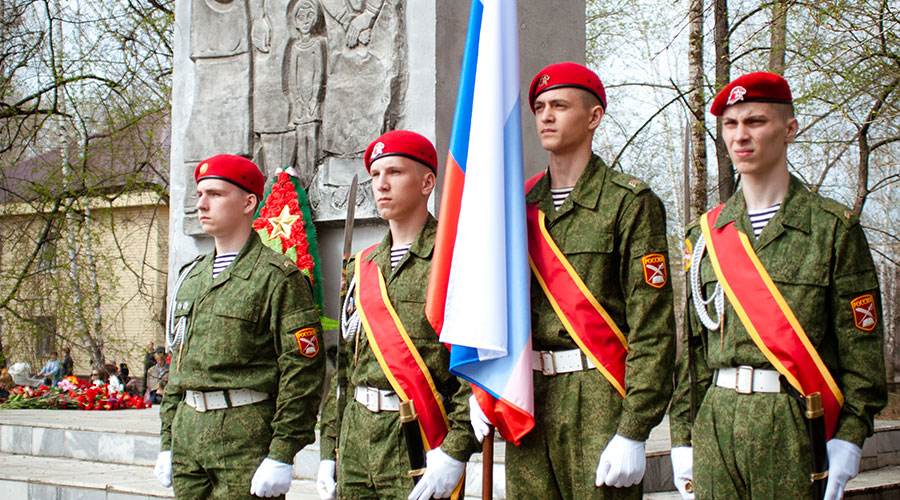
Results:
237 170
402 143
566 74
754 87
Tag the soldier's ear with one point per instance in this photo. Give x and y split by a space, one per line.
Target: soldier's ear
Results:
428 181
793 126
250 204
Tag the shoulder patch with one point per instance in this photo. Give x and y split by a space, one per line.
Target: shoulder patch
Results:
839 210
307 342
864 315
655 272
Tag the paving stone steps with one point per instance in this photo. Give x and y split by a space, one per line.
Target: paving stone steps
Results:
109 441
24 477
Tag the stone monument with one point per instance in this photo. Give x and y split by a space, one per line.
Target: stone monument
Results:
309 83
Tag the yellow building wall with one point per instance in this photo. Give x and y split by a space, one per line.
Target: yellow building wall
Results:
130 247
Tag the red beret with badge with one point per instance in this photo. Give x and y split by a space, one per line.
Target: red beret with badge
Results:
753 87
566 74
402 143
237 170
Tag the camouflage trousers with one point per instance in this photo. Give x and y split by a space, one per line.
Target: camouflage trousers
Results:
372 458
576 414
216 453
750 446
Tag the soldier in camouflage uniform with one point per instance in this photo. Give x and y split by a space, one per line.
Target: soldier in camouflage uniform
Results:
247 376
372 458
755 445
588 441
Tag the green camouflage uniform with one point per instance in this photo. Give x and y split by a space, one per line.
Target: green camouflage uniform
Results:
755 445
240 334
608 222
373 461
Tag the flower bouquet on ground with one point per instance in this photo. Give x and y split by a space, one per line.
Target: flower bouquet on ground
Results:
72 393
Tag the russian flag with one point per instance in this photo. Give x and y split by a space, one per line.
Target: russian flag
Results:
478 293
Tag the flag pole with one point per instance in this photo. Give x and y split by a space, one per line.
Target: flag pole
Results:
487 466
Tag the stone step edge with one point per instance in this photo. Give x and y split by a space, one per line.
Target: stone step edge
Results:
885 479
873 481
137 480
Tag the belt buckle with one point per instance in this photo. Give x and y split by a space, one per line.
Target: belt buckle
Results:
199 399
373 400
747 386
548 363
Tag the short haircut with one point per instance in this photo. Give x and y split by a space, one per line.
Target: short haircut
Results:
785 110
589 100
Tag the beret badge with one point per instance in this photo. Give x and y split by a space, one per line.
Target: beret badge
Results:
545 79
737 94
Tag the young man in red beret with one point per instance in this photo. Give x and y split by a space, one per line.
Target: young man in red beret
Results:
246 375
601 307
391 349
800 314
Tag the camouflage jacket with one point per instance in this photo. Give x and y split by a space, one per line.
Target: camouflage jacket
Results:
606 225
240 334
406 287
817 255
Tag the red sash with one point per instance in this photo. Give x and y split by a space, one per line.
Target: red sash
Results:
767 317
398 357
579 311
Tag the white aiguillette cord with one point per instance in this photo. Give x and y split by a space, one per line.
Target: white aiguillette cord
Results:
717 297
175 335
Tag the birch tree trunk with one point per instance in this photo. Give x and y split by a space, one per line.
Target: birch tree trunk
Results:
697 103
778 36
723 76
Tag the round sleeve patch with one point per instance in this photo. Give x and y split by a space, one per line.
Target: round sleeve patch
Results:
864 312
307 341
655 272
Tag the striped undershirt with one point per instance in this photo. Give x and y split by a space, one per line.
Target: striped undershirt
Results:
559 195
223 260
759 218
397 254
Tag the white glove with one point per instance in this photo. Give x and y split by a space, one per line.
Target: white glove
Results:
325 480
622 463
480 423
442 474
683 470
843 465
163 469
271 479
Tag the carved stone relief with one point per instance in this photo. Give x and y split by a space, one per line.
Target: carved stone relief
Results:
306 83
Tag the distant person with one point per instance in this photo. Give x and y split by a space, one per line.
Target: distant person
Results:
114 381
157 377
99 376
123 373
50 372
149 362
6 383
67 364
